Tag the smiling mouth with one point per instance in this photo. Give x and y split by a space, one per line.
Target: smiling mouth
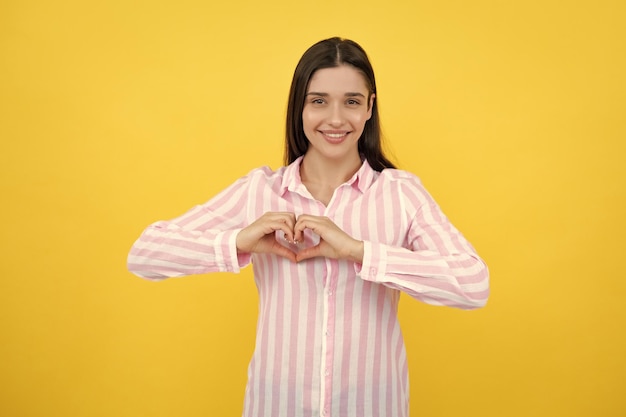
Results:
334 136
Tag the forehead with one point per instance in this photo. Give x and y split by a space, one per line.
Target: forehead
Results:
343 78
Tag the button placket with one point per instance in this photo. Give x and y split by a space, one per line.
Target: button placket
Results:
331 283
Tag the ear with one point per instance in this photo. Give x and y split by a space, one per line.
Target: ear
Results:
370 106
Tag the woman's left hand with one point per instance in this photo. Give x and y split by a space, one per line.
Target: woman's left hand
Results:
334 242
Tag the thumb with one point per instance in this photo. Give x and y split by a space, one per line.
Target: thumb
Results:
284 252
308 253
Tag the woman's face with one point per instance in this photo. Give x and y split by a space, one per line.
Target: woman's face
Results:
336 107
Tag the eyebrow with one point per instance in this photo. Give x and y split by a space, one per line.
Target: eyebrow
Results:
314 93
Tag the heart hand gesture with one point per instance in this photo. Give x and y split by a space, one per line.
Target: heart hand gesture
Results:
334 243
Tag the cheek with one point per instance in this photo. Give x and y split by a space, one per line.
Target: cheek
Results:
308 120
360 120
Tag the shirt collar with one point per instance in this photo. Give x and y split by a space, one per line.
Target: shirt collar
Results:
362 179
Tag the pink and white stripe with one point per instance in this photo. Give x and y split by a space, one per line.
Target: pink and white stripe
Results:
328 338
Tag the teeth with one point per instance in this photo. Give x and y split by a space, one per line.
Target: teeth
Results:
335 135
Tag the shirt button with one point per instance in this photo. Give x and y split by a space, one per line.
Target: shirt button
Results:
373 271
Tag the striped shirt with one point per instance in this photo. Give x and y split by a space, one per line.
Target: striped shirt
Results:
328 339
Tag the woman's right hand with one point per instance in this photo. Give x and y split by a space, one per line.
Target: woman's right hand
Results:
259 237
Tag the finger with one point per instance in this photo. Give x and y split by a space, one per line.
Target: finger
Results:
297 234
290 223
287 231
304 222
313 222
284 252
281 223
287 223
287 217
308 253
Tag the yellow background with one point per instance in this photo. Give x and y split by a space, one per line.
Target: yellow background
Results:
116 114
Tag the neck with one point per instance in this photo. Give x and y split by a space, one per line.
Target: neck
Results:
328 173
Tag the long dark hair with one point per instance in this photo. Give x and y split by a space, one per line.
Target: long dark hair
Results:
331 53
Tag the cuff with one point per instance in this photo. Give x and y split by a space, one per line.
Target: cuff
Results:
226 256
374 262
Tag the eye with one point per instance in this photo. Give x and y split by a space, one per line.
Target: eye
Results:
353 102
317 101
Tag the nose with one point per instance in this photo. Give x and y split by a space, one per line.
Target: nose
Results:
336 116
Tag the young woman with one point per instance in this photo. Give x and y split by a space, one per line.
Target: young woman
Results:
334 237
